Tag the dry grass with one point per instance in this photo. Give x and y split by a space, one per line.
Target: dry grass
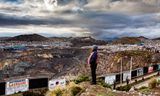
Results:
71 89
153 83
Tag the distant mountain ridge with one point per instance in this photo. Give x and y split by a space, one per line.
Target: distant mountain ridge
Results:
28 37
156 38
78 41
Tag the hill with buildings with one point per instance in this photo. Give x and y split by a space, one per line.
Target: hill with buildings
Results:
80 41
86 41
130 40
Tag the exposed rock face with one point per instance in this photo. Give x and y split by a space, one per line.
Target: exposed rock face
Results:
73 61
111 62
21 67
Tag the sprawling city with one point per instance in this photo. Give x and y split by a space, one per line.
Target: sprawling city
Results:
79 48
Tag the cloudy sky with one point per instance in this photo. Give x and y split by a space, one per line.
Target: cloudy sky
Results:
99 18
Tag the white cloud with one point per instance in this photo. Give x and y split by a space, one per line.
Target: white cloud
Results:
100 18
47 30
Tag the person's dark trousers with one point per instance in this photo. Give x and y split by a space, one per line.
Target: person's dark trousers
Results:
93 72
127 81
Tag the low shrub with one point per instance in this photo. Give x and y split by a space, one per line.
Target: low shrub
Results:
158 82
71 89
76 90
124 88
58 92
145 90
143 87
153 83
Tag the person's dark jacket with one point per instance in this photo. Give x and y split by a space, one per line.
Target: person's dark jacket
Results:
93 58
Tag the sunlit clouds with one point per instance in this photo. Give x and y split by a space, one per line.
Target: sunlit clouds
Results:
99 18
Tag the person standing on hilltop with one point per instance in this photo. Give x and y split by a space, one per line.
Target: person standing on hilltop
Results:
92 61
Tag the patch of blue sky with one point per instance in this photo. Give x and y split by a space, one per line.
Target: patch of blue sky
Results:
12 1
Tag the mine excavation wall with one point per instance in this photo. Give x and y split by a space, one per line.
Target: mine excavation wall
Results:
73 61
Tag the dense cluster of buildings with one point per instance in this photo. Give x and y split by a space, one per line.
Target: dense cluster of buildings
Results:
20 46
149 45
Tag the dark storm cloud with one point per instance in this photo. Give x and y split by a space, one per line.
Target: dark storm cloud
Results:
7 20
107 20
100 24
103 25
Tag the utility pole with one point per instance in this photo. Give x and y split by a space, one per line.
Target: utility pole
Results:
131 64
121 71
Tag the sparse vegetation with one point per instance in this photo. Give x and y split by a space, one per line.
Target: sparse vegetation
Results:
102 83
57 92
70 90
143 87
81 78
124 88
76 90
136 53
144 90
158 82
106 94
152 85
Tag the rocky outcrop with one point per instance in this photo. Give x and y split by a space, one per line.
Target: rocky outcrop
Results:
21 67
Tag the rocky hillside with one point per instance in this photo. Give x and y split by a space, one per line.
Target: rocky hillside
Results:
130 40
85 41
73 61
54 62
